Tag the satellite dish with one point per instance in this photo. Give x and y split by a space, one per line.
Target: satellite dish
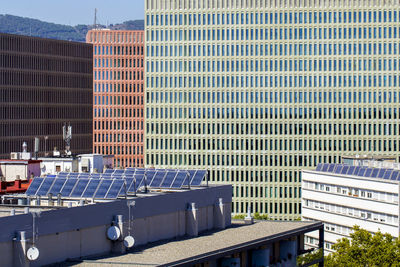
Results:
129 241
113 233
32 254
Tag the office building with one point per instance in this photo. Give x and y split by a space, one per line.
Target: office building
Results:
255 91
118 95
365 193
44 83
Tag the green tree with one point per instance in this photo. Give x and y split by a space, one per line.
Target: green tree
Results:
365 249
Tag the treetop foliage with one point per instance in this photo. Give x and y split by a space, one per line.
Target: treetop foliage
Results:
33 27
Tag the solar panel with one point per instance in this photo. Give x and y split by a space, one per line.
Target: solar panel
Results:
68 186
198 177
375 172
158 178
331 167
34 186
362 171
57 185
74 174
181 176
129 182
338 168
133 186
139 171
351 170
115 189
168 179
394 175
119 172
150 175
79 188
51 176
368 172
357 170
91 188
381 172
387 174
345 169
136 185
325 167
45 186
109 171
103 188
319 167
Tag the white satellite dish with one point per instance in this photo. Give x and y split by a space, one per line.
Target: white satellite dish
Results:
129 241
113 233
32 254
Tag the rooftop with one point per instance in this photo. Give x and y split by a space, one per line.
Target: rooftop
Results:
206 247
382 171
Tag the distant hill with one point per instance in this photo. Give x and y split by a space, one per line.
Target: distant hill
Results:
33 27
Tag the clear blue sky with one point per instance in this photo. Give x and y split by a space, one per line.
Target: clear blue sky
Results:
73 12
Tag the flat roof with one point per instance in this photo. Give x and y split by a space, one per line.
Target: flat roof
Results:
371 157
19 161
207 246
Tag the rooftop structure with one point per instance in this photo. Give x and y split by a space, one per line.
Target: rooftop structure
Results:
18 169
264 243
113 183
341 196
92 163
167 228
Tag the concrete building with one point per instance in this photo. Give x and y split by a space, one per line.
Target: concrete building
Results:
80 163
118 95
197 220
13 169
44 83
256 91
341 196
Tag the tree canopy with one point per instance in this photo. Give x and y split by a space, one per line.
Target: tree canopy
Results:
33 27
365 249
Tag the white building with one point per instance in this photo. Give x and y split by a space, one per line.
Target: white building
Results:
341 196
81 163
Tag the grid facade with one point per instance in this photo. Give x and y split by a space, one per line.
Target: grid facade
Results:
118 95
255 91
43 84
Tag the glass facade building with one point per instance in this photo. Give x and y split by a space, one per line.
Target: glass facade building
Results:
255 91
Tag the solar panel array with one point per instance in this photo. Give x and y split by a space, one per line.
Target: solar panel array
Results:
112 183
363 171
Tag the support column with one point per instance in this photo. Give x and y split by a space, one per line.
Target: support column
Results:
321 245
219 216
192 225
20 246
118 245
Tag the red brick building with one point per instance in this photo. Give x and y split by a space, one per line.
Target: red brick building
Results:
118 91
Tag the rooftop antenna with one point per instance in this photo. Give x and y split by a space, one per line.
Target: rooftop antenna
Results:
95 19
67 136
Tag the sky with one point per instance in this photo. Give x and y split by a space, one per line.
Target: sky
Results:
74 12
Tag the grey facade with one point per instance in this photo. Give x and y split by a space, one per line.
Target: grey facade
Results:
44 83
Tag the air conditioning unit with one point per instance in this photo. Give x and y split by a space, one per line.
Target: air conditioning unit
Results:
14 155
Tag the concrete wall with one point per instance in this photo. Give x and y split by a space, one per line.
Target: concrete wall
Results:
70 165
81 231
11 170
